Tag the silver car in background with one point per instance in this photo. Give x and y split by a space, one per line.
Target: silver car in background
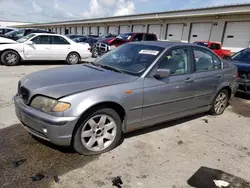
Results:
136 85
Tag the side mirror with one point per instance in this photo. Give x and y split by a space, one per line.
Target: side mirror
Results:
29 42
162 73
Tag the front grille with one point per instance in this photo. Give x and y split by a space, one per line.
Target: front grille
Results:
244 75
24 93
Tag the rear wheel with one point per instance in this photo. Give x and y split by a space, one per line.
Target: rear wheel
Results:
73 58
10 58
220 103
100 132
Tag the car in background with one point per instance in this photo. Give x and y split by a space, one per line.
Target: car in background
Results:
134 86
242 60
93 36
216 47
73 36
91 41
108 44
17 34
107 36
4 30
44 46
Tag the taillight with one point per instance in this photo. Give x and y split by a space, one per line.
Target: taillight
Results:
89 49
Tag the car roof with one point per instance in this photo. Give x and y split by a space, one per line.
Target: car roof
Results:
164 44
50 34
208 42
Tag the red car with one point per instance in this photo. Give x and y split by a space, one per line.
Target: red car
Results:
108 44
216 48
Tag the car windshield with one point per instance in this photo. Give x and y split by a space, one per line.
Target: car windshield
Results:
24 39
125 36
205 44
10 33
132 59
243 55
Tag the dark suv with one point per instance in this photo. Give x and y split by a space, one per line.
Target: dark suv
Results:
107 44
15 35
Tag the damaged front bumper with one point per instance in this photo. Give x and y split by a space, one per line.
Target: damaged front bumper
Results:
244 86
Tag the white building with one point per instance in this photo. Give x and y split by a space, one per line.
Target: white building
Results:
4 23
229 24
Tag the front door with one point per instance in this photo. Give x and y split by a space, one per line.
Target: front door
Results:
167 97
39 50
208 76
60 48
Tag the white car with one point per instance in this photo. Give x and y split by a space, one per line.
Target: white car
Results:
6 41
44 46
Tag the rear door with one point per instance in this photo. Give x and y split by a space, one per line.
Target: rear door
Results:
39 50
208 74
60 48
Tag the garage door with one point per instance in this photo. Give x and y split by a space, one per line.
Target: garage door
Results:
79 30
85 30
124 28
101 30
138 28
113 30
156 29
93 30
62 30
174 32
73 30
237 35
200 31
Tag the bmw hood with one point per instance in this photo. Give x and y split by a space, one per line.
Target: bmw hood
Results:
62 81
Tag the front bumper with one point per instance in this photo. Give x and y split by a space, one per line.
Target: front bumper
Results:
57 130
244 87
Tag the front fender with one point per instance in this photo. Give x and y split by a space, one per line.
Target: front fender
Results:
81 102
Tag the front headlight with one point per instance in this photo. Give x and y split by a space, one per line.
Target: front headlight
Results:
49 105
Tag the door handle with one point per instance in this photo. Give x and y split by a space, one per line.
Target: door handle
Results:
217 75
189 80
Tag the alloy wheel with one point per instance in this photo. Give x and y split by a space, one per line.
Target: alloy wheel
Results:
73 59
98 132
11 58
220 103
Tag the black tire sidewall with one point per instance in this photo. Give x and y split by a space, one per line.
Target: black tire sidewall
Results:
3 57
73 53
77 143
212 110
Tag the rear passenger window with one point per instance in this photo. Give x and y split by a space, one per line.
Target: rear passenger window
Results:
206 61
214 47
138 37
58 40
150 37
1 31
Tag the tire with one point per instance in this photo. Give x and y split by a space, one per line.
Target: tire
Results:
73 58
95 53
220 103
10 58
94 137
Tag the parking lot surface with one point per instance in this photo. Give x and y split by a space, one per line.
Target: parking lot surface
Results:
162 156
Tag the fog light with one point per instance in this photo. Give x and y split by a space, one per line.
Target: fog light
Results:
45 130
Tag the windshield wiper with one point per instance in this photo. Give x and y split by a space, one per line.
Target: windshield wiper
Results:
110 68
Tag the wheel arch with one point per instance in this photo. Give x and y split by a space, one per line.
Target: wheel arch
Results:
108 104
74 52
9 49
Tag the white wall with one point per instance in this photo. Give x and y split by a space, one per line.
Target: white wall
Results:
10 23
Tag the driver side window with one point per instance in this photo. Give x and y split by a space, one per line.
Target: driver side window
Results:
177 61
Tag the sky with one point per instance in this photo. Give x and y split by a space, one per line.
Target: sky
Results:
61 10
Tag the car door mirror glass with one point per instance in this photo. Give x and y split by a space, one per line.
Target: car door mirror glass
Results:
162 73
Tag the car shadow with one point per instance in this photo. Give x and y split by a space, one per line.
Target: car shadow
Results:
163 125
16 144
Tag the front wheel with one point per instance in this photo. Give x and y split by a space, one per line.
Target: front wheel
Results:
220 103
10 58
73 58
100 132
